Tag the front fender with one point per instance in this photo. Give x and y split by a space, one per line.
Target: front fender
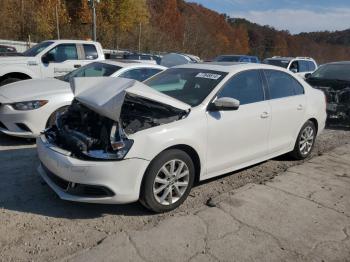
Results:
23 69
151 142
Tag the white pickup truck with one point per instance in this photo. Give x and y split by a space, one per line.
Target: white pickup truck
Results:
47 59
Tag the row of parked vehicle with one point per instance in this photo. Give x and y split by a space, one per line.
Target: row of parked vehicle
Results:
117 132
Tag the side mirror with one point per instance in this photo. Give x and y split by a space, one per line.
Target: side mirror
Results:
224 104
307 75
47 58
294 70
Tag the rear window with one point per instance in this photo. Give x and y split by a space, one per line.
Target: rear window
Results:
277 62
90 52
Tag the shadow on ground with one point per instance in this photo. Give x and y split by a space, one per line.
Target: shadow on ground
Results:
23 190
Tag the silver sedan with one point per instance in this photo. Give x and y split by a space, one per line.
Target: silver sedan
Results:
28 107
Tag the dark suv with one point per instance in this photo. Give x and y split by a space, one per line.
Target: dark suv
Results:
334 80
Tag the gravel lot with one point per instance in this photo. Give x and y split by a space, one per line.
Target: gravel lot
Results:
36 225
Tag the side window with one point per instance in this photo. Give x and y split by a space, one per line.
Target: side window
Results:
245 87
245 59
312 66
294 67
303 66
282 85
140 74
90 52
62 53
253 60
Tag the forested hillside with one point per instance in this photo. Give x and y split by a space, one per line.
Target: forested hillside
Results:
165 25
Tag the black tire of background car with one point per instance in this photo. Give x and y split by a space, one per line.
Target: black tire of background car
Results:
296 154
9 81
52 119
147 198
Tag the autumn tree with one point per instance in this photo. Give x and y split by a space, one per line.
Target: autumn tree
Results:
45 18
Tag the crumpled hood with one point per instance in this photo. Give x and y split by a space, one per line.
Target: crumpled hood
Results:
32 89
105 95
5 60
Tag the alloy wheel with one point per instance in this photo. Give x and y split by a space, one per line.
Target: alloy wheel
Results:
306 140
171 182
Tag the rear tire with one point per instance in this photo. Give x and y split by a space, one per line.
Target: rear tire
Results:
305 141
167 181
10 80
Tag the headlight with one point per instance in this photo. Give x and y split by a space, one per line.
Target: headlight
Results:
29 105
119 142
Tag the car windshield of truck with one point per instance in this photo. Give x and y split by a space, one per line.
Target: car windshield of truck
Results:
188 85
277 62
333 72
37 48
227 59
95 69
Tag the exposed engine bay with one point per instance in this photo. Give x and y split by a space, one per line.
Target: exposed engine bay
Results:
89 135
338 104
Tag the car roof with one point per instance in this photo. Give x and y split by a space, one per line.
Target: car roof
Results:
229 67
131 64
289 58
64 41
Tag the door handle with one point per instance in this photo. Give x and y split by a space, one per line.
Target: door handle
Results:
300 107
265 115
77 66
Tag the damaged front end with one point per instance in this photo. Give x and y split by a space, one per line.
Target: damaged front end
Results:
338 105
97 125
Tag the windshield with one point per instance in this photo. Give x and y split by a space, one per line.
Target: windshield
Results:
227 59
37 49
94 69
333 72
277 62
188 85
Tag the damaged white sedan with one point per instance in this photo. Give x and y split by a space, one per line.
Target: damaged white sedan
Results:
123 141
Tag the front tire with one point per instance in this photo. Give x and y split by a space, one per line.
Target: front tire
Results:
168 181
305 141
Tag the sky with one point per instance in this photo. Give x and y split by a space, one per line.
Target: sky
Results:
293 15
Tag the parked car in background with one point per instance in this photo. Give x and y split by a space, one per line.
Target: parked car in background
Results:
123 141
175 59
5 49
28 107
334 80
49 59
145 58
237 58
298 65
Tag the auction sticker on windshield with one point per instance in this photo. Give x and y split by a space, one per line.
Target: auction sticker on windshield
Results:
208 76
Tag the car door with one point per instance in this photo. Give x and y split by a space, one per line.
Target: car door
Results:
288 103
60 60
237 138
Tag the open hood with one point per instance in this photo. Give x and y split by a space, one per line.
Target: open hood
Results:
105 95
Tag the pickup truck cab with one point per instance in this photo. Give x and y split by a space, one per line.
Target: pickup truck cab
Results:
49 59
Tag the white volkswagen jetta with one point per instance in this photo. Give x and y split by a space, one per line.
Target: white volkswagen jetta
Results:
124 141
28 107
